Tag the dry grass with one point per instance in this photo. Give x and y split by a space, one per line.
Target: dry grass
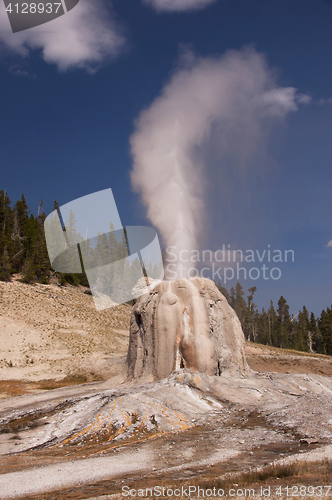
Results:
10 388
277 475
268 349
317 471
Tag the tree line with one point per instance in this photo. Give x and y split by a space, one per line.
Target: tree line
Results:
276 327
23 250
23 246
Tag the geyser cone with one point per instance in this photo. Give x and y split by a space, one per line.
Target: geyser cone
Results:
185 324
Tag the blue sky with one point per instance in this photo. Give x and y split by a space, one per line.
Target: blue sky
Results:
72 94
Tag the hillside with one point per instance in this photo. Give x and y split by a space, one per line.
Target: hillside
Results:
52 335
52 332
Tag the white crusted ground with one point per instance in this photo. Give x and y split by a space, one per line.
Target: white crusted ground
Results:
186 421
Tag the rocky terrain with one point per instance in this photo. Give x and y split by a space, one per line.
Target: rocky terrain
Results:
90 440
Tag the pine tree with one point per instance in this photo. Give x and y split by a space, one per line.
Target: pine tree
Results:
41 263
273 325
251 316
325 327
316 336
41 212
18 248
232 298
224 291
22 211
301 341
240 304
263 330
6 228
5 274
285 327
6 218
28 275
240 308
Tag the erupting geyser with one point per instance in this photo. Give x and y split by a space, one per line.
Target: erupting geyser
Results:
185 324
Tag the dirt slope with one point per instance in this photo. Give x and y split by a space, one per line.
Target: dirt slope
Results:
271 359
52 332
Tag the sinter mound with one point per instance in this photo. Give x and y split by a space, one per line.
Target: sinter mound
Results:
185 324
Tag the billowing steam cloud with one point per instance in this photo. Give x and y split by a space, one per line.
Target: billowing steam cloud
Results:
178 5
82 38
235 96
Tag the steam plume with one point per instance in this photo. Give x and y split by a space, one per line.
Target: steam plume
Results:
235 95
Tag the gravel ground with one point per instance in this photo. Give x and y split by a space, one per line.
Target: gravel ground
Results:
52 477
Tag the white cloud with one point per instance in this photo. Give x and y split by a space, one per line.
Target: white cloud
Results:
282 100
322 102
82 38
178 5
224 105
19 71
329 244
304 99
